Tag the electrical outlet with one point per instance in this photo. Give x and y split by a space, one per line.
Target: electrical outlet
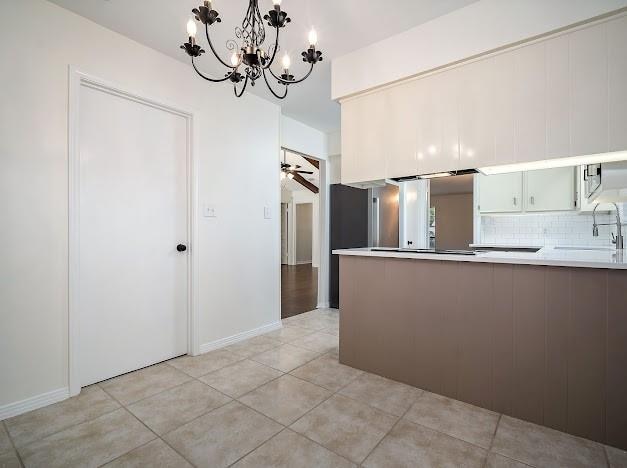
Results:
209 211
267 213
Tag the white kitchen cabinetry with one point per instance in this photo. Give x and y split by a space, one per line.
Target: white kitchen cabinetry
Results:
589 90
617 70
504 109
501 193
400 130
476 114
550 189
364 146
557 97
530 102
438 146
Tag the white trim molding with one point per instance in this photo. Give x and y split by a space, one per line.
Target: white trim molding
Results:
33 403
78 79
229 340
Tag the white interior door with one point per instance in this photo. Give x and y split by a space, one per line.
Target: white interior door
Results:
133 214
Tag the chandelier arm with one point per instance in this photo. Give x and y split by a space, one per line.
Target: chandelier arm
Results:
243 88
281 80
214 50
213 80
276 47
272 90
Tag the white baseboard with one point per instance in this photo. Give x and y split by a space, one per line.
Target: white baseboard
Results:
304 262
33 403
229 340
323 305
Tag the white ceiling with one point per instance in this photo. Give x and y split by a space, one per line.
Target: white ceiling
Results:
342 25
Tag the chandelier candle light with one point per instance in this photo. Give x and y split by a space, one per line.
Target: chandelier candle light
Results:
249 60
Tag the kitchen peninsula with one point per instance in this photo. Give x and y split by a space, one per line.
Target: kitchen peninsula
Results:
540 336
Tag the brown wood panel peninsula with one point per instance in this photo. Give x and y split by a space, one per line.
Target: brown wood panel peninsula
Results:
543 343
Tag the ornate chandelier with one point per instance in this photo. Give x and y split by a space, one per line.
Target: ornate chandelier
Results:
250 61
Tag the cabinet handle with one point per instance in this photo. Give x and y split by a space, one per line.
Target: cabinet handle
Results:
515 201
532 200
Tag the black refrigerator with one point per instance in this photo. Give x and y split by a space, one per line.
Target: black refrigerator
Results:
349 229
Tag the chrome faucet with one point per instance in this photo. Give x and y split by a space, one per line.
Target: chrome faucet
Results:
618 240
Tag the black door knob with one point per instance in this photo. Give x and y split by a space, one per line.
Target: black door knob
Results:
181 247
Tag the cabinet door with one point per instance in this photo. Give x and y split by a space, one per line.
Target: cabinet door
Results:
504 120
350 141
589 89
437 131
557 98
476 115
530 102
617 68
400 130
363 144
550 189
500 193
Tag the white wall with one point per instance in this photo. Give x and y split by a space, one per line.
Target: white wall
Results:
295 198
475 29
38 42
301 138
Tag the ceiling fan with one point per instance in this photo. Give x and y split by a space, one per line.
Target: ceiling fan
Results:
288 170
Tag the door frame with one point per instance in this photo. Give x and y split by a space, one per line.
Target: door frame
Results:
78 80
323 226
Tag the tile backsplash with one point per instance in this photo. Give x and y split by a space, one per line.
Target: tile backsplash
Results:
547 229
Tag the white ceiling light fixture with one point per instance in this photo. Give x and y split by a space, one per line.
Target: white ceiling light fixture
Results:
553 163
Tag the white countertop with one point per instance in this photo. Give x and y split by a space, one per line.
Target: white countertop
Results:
549 256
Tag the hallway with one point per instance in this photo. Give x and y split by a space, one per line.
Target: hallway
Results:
299 289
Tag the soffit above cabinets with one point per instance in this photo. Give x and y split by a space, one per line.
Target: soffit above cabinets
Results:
478 29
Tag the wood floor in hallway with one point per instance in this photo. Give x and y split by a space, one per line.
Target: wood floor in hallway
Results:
299 289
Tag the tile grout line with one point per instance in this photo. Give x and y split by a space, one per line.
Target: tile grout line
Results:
157 436
191 378
337 392
400 418
607 456
63 429
17 453
496 428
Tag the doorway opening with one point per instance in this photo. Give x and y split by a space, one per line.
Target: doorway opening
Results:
300 232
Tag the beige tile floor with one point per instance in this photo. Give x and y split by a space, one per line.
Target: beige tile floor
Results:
280 400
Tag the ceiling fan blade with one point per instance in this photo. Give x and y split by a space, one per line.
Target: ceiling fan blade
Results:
304 172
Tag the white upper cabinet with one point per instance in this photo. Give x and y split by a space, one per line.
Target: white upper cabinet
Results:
476 114
530 102
617 69
364 146
550 189
501 193
401 126
438 148
504 109
589 90
557 97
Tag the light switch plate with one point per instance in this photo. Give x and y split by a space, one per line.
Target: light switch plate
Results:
267 213
209 211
